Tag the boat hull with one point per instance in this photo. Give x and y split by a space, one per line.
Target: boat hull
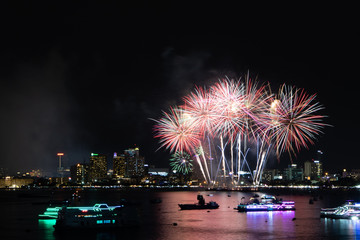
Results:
197 206
70 218
334 214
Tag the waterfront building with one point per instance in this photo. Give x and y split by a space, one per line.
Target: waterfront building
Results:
316 170
10 182
98 167
313 170
80 173
119 165
293 173
307 170
59 180
158 175
135 163
268 175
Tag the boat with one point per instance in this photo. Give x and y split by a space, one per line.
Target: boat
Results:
100 216
50 213
266 203
200 205
349 210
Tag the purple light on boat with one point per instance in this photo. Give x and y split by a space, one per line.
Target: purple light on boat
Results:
270 207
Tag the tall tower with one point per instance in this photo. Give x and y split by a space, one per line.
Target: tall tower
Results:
98 167
60 168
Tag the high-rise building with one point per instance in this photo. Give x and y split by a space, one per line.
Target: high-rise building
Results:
313 170
98 167
316 170
135 163
293 173
80 173
307 170
119 165
268 175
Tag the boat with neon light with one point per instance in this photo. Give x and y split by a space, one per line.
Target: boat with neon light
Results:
100 216
349 210
266 203
200 205
50 213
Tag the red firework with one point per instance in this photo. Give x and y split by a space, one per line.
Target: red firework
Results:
293 120
176 131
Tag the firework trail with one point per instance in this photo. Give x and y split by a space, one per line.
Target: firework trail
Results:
229 98
200 152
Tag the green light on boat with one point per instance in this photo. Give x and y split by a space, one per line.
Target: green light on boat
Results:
47 224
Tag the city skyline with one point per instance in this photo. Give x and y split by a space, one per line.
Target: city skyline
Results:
113 162
89 77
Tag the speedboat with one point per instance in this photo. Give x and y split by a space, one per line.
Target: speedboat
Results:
200 205
349 210
266 203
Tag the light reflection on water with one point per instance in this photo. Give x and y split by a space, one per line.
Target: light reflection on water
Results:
158 220
272 222
46 227
343 227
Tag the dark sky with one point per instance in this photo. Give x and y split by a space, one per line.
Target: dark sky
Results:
83 77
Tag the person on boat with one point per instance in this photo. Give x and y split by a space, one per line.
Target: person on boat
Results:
201 199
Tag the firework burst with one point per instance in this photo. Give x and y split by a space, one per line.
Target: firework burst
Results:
229 101
181 162
294 121
237 112
176 131
199 105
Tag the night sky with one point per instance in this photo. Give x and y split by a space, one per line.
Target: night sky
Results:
87 77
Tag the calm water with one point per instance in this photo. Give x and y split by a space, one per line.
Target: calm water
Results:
20 209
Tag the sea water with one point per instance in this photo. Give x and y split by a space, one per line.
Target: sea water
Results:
163 220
